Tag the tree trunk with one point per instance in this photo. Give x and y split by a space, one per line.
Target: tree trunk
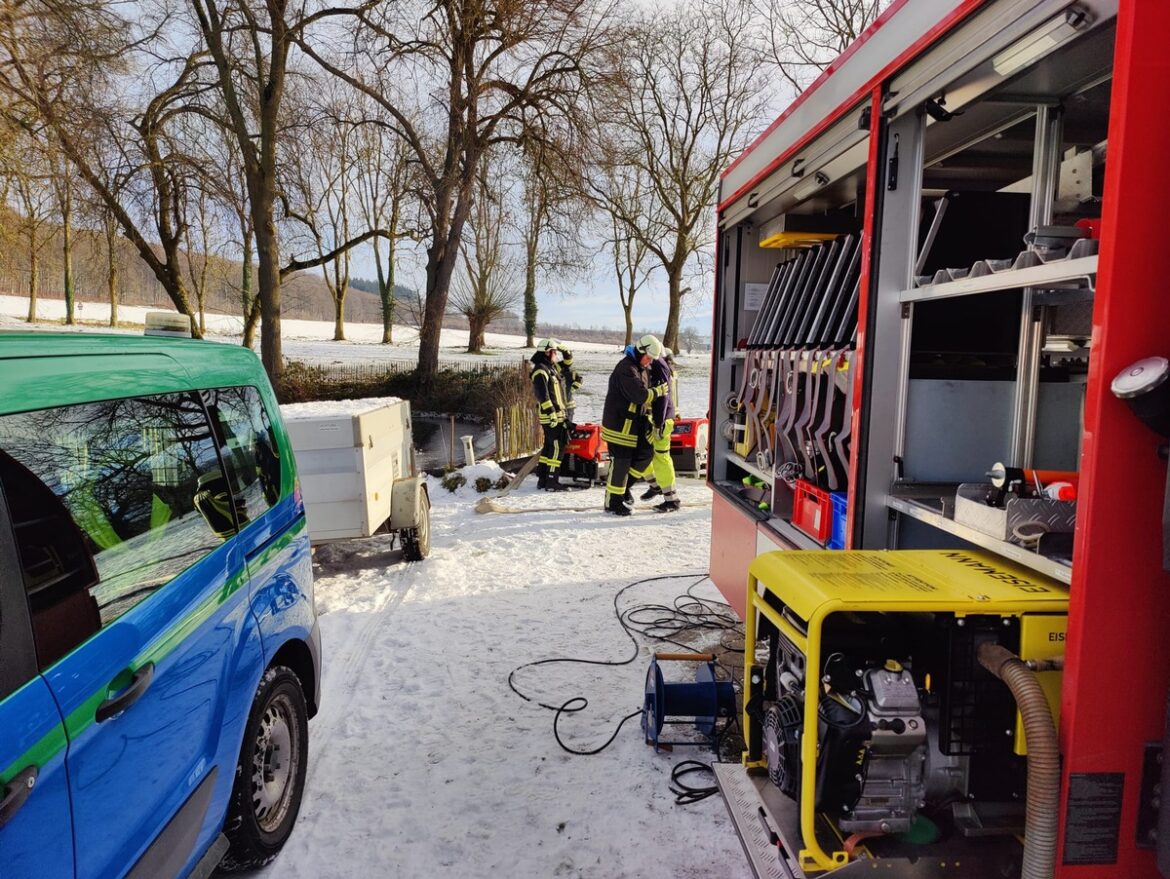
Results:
268 277
475 335
440 267
339 316
674 277
249 304
67 254
33 268
629 312
251 321
386 285
530 299
111 288
442 256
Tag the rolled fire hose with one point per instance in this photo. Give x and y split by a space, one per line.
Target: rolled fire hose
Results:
1043 802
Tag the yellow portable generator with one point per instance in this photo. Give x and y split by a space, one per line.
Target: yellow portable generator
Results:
875 736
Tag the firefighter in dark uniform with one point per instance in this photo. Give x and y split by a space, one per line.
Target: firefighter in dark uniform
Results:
662 477
625 420
550 401
571 380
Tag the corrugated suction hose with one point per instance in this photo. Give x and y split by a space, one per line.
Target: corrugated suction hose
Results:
1043 805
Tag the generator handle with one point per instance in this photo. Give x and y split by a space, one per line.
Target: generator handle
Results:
685 657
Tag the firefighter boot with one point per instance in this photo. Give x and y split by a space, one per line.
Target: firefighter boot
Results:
614 505
652 492
541 475
553 482
670 503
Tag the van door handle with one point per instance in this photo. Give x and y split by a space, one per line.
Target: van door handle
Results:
16 792
252 554
117 704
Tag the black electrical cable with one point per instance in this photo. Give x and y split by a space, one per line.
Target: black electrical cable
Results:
684 794
684 616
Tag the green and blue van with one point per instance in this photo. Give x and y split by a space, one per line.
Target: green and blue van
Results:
159 649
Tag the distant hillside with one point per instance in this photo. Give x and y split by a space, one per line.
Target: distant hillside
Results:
402 294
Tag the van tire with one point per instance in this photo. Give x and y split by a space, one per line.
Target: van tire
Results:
266 796
416 542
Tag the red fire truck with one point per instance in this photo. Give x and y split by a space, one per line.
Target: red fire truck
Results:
940 324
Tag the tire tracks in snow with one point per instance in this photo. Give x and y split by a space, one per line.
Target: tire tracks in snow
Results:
352 660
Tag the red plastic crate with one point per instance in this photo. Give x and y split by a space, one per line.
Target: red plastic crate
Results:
812 511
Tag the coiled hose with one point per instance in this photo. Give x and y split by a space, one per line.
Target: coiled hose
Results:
1043 804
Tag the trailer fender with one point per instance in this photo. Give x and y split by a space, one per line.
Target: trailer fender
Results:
406 497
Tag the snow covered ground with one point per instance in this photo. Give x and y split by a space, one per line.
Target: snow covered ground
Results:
423 762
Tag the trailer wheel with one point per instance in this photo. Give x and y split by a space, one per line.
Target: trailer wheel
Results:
416 542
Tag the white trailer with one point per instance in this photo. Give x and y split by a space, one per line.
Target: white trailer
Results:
355 460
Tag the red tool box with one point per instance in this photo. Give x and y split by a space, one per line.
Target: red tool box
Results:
587 455
688 445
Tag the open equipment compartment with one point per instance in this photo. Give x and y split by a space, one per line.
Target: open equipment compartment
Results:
985 302
1001 164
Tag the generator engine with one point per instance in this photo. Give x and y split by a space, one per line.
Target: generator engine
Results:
873 752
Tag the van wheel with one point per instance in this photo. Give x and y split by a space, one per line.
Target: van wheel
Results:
416 542
270 776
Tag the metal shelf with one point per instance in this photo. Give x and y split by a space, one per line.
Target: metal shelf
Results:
925 513
751 468
785 530
1082 273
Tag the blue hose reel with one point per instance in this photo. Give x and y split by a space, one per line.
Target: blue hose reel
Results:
704 701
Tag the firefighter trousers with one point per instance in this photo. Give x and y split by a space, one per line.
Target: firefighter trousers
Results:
625 463
556 437
663 464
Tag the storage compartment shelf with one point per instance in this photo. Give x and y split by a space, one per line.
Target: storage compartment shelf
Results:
1081 273
932 514
790 533
749 467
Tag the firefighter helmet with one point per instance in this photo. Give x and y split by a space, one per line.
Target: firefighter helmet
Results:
649 344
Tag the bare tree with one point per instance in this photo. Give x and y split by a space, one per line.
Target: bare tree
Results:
623 192
486 72
319 180
386 198
801 37
26 167
102 87
695 96
109 226
250 45
488 286
63 186
197 243
549 219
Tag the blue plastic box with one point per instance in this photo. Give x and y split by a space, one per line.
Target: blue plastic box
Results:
840 509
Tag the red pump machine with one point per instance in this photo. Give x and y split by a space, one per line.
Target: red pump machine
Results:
937 260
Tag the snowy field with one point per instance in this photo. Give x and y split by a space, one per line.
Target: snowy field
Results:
423 762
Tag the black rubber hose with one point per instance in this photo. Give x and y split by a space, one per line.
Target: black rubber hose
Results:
1043 804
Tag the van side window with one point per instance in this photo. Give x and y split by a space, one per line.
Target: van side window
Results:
103 499
249 449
